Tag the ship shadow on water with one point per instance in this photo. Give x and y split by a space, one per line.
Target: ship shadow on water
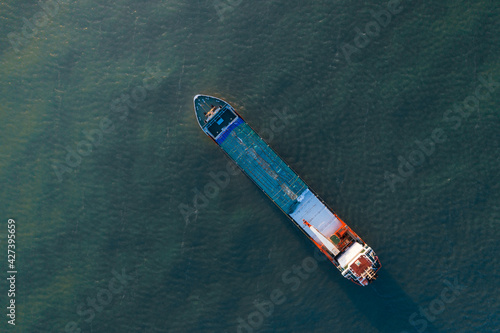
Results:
388 307
385 304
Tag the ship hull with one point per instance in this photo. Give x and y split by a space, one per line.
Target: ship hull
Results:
344 248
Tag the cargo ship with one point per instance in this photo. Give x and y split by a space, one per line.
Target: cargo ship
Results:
335 239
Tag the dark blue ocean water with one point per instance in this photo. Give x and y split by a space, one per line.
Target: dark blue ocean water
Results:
129 219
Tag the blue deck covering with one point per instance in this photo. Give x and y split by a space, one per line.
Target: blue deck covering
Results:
262 165
228 130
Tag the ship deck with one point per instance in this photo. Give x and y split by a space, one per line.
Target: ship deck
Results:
264 167
317 214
